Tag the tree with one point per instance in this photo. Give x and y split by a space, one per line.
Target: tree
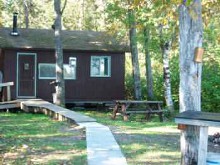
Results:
165 48
60 83
32 14
1 8
27 8
149 75
134 54
191 37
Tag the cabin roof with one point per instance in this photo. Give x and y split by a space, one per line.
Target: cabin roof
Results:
71 40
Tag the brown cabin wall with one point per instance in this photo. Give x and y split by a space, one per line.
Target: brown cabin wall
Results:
84 88
9 69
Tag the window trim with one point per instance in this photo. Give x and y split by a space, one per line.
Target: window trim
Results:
109 66
45 78
53 78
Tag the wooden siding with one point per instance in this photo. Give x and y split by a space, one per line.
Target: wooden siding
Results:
84 87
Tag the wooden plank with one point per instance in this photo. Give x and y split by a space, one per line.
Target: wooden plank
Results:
93 102
197 118
139 101
154 111
197 122
203 143
9 106
6 84
197 115
8 93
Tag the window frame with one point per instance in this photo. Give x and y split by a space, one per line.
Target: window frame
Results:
109 66
53 64
39 69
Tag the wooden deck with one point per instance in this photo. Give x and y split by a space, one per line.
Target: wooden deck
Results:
41 106
9 104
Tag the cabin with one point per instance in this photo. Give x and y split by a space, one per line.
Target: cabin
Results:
94 64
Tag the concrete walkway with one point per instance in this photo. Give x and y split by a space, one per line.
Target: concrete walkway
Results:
102 148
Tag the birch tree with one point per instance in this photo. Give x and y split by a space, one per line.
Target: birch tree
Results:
60 83
165 48
191 37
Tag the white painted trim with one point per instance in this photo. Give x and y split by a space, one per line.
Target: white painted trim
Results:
54 78
35 76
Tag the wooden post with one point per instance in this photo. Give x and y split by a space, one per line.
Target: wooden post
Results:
203 143
115 110
8 93
123 109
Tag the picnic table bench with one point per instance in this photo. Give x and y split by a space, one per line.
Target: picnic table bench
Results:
127 107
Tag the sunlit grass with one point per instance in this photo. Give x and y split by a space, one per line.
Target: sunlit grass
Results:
37 139
142 142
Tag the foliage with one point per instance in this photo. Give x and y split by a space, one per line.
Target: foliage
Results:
40 13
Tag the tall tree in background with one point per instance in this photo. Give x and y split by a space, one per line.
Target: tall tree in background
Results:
191 37
32 14
60 83
27 8
148 67
1 8
134 53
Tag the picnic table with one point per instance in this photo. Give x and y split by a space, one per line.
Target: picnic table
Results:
127 107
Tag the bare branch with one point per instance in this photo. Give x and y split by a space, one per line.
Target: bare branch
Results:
64 6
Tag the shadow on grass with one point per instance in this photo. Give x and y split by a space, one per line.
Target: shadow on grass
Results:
142 142
149 148
35 138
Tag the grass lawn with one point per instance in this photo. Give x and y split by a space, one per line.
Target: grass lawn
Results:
37 139
142 142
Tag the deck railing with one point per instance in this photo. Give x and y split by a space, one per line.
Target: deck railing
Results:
8 86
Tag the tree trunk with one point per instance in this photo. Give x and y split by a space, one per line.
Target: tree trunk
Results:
191 36
134 55
26 12
165 48
60 83
149 75
166 72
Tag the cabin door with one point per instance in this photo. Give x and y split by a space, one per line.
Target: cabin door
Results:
26 75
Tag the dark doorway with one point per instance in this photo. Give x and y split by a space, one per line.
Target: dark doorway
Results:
26 77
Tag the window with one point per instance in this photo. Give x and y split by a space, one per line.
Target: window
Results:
48 71
100 66
70 70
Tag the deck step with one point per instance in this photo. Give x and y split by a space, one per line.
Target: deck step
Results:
9 105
